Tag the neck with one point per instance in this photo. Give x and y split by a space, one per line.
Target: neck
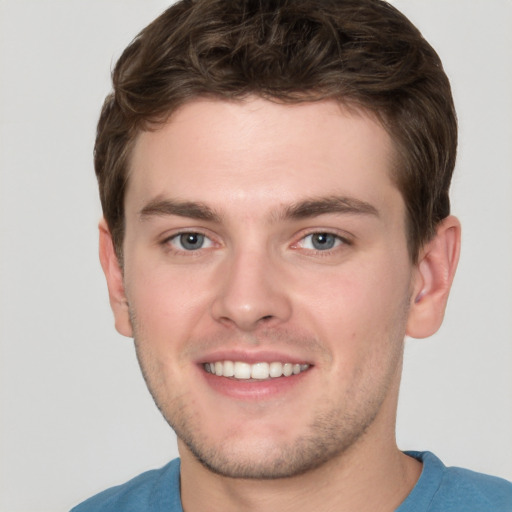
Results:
370 476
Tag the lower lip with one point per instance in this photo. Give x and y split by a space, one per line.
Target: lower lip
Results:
241 389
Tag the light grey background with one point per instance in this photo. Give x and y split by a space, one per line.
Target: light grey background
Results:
75 414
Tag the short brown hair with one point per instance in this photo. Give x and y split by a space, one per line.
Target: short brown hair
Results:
363 53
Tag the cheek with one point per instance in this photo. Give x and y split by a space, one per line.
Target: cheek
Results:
362 310
167 302
166 307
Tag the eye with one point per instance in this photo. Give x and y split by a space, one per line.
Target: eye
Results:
190 241
321 241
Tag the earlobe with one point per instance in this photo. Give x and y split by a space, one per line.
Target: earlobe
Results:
114 276
433 279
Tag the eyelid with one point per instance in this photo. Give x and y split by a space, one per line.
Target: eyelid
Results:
345 238
337 242
167 240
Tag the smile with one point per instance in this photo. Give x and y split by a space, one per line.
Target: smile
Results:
258 371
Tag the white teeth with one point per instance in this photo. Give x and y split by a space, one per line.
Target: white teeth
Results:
258 371
228 369
287 369
242 370
276 369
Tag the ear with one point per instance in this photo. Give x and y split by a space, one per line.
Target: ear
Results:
433 279
115 283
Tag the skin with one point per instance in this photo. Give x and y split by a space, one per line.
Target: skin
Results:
259 179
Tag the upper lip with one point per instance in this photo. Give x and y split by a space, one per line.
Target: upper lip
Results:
252 357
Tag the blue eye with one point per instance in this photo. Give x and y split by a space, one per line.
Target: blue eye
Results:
190 241
321 241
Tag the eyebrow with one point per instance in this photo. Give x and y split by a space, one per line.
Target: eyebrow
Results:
331 204
191 209
296 211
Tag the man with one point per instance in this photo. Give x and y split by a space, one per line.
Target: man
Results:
274 179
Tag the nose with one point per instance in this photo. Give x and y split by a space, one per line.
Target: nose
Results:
252 292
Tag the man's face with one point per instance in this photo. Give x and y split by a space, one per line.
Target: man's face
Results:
261 239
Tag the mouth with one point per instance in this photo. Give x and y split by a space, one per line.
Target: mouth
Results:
239 370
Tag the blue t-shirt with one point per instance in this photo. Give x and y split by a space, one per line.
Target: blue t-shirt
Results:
439 489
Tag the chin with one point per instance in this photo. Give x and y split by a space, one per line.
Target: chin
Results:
266 457
263 464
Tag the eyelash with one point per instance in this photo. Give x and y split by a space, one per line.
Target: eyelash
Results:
339 241
168 242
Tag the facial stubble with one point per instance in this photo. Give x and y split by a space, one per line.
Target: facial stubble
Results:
334 429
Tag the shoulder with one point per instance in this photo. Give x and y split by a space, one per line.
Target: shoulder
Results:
453 489
153 490
482 492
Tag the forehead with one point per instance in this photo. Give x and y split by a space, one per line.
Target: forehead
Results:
256 152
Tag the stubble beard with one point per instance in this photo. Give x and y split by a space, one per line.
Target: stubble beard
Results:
335 428
328 438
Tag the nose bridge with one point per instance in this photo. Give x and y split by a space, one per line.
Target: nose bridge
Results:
251 290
